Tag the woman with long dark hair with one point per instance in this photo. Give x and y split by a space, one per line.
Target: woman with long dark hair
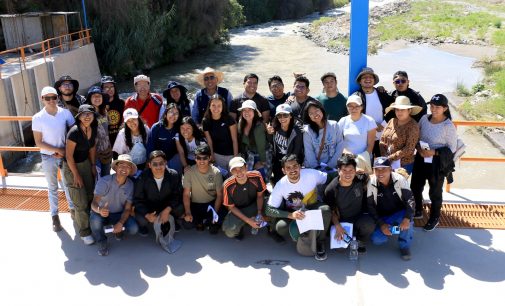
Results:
176 93
132 138
164 134
115 107
189 139
437 144
286 138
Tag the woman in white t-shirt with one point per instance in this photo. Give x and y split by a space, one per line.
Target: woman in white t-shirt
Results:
132 138
358 129
191 138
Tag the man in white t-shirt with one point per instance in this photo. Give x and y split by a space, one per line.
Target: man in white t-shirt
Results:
295 193
374 102
50 127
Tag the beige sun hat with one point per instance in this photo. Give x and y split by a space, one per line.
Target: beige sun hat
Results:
125 158
403 102
218 74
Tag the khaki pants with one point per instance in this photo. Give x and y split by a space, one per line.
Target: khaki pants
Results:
81 197
233 224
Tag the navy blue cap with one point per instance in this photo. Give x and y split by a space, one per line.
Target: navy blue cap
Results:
381 162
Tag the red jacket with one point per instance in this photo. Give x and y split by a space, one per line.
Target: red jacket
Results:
151 112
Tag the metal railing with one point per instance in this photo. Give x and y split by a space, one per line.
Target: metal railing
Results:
60 43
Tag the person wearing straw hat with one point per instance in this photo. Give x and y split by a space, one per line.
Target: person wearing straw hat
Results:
112 203
147 104
250 93
209 79
401 83
399 138
49 128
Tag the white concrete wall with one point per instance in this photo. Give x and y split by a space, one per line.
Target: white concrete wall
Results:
41 79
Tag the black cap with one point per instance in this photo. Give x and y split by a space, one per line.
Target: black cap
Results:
173 84
381 162
85 108
439 100
107 79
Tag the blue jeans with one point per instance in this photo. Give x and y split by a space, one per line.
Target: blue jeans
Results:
50 167
97 222
404 238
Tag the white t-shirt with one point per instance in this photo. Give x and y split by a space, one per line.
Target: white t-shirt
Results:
120 147
158 182
374 110
304 191
356 132
53 128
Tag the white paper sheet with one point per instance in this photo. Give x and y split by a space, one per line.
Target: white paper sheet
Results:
336 244
313 221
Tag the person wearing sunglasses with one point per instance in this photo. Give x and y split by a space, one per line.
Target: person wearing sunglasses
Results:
203 193
157 193
401 83
49 128
209 79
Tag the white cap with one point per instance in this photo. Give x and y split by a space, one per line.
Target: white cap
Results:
236 162
141 77
283 109
130 113
354 99
48 90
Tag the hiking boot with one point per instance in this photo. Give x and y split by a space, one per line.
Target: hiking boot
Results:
214 229
418 214
143 231
88 240
361 248
56 223
431 224
405 253
320 252
72 214
276 237
103 249
119 236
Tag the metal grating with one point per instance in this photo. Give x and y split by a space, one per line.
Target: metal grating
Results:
30 199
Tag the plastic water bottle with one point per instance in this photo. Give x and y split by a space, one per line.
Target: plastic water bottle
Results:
257 219
353 249
250 161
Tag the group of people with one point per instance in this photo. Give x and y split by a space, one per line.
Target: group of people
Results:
206 163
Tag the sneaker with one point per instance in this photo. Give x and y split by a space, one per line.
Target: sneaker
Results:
362 250
405 253
119 236
240 235
88 240
72 214
214 229
321 252
418 214
276 237
431 224
143 231
103 249
56 224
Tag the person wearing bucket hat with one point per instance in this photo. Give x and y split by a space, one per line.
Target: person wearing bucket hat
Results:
112 203
209 80
147 104
252 139
298 190
331 98
67 88
79 167
286 137
375 102
98 100
49 128
346 195
177 93
250 93
115 106
399 138
401 83
434 159
391 204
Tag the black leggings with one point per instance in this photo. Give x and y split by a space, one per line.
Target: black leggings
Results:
427 171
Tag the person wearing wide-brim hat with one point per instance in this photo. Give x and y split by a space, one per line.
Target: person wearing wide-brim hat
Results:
209 79
177 93
67 88
399 138
112 203
79 168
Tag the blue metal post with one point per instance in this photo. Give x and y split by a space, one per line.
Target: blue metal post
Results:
359 41
85 16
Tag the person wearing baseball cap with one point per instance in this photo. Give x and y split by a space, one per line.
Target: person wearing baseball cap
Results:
132 138
146 103
49 128
331 98
434 159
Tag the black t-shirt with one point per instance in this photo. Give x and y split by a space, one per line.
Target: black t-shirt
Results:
281 143
115 116
261 103
273 103
83 144
347 200
388 201
219 131
299 108
243 195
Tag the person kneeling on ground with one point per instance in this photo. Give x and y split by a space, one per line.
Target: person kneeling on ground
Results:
391 204
112 203
298 189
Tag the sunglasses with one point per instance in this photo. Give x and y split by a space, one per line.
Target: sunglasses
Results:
400 81
49 98
283 115
202 158
158 164
209 78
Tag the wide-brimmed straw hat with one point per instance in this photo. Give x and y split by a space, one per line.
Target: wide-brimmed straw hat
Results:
127 159
201 74
403 102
